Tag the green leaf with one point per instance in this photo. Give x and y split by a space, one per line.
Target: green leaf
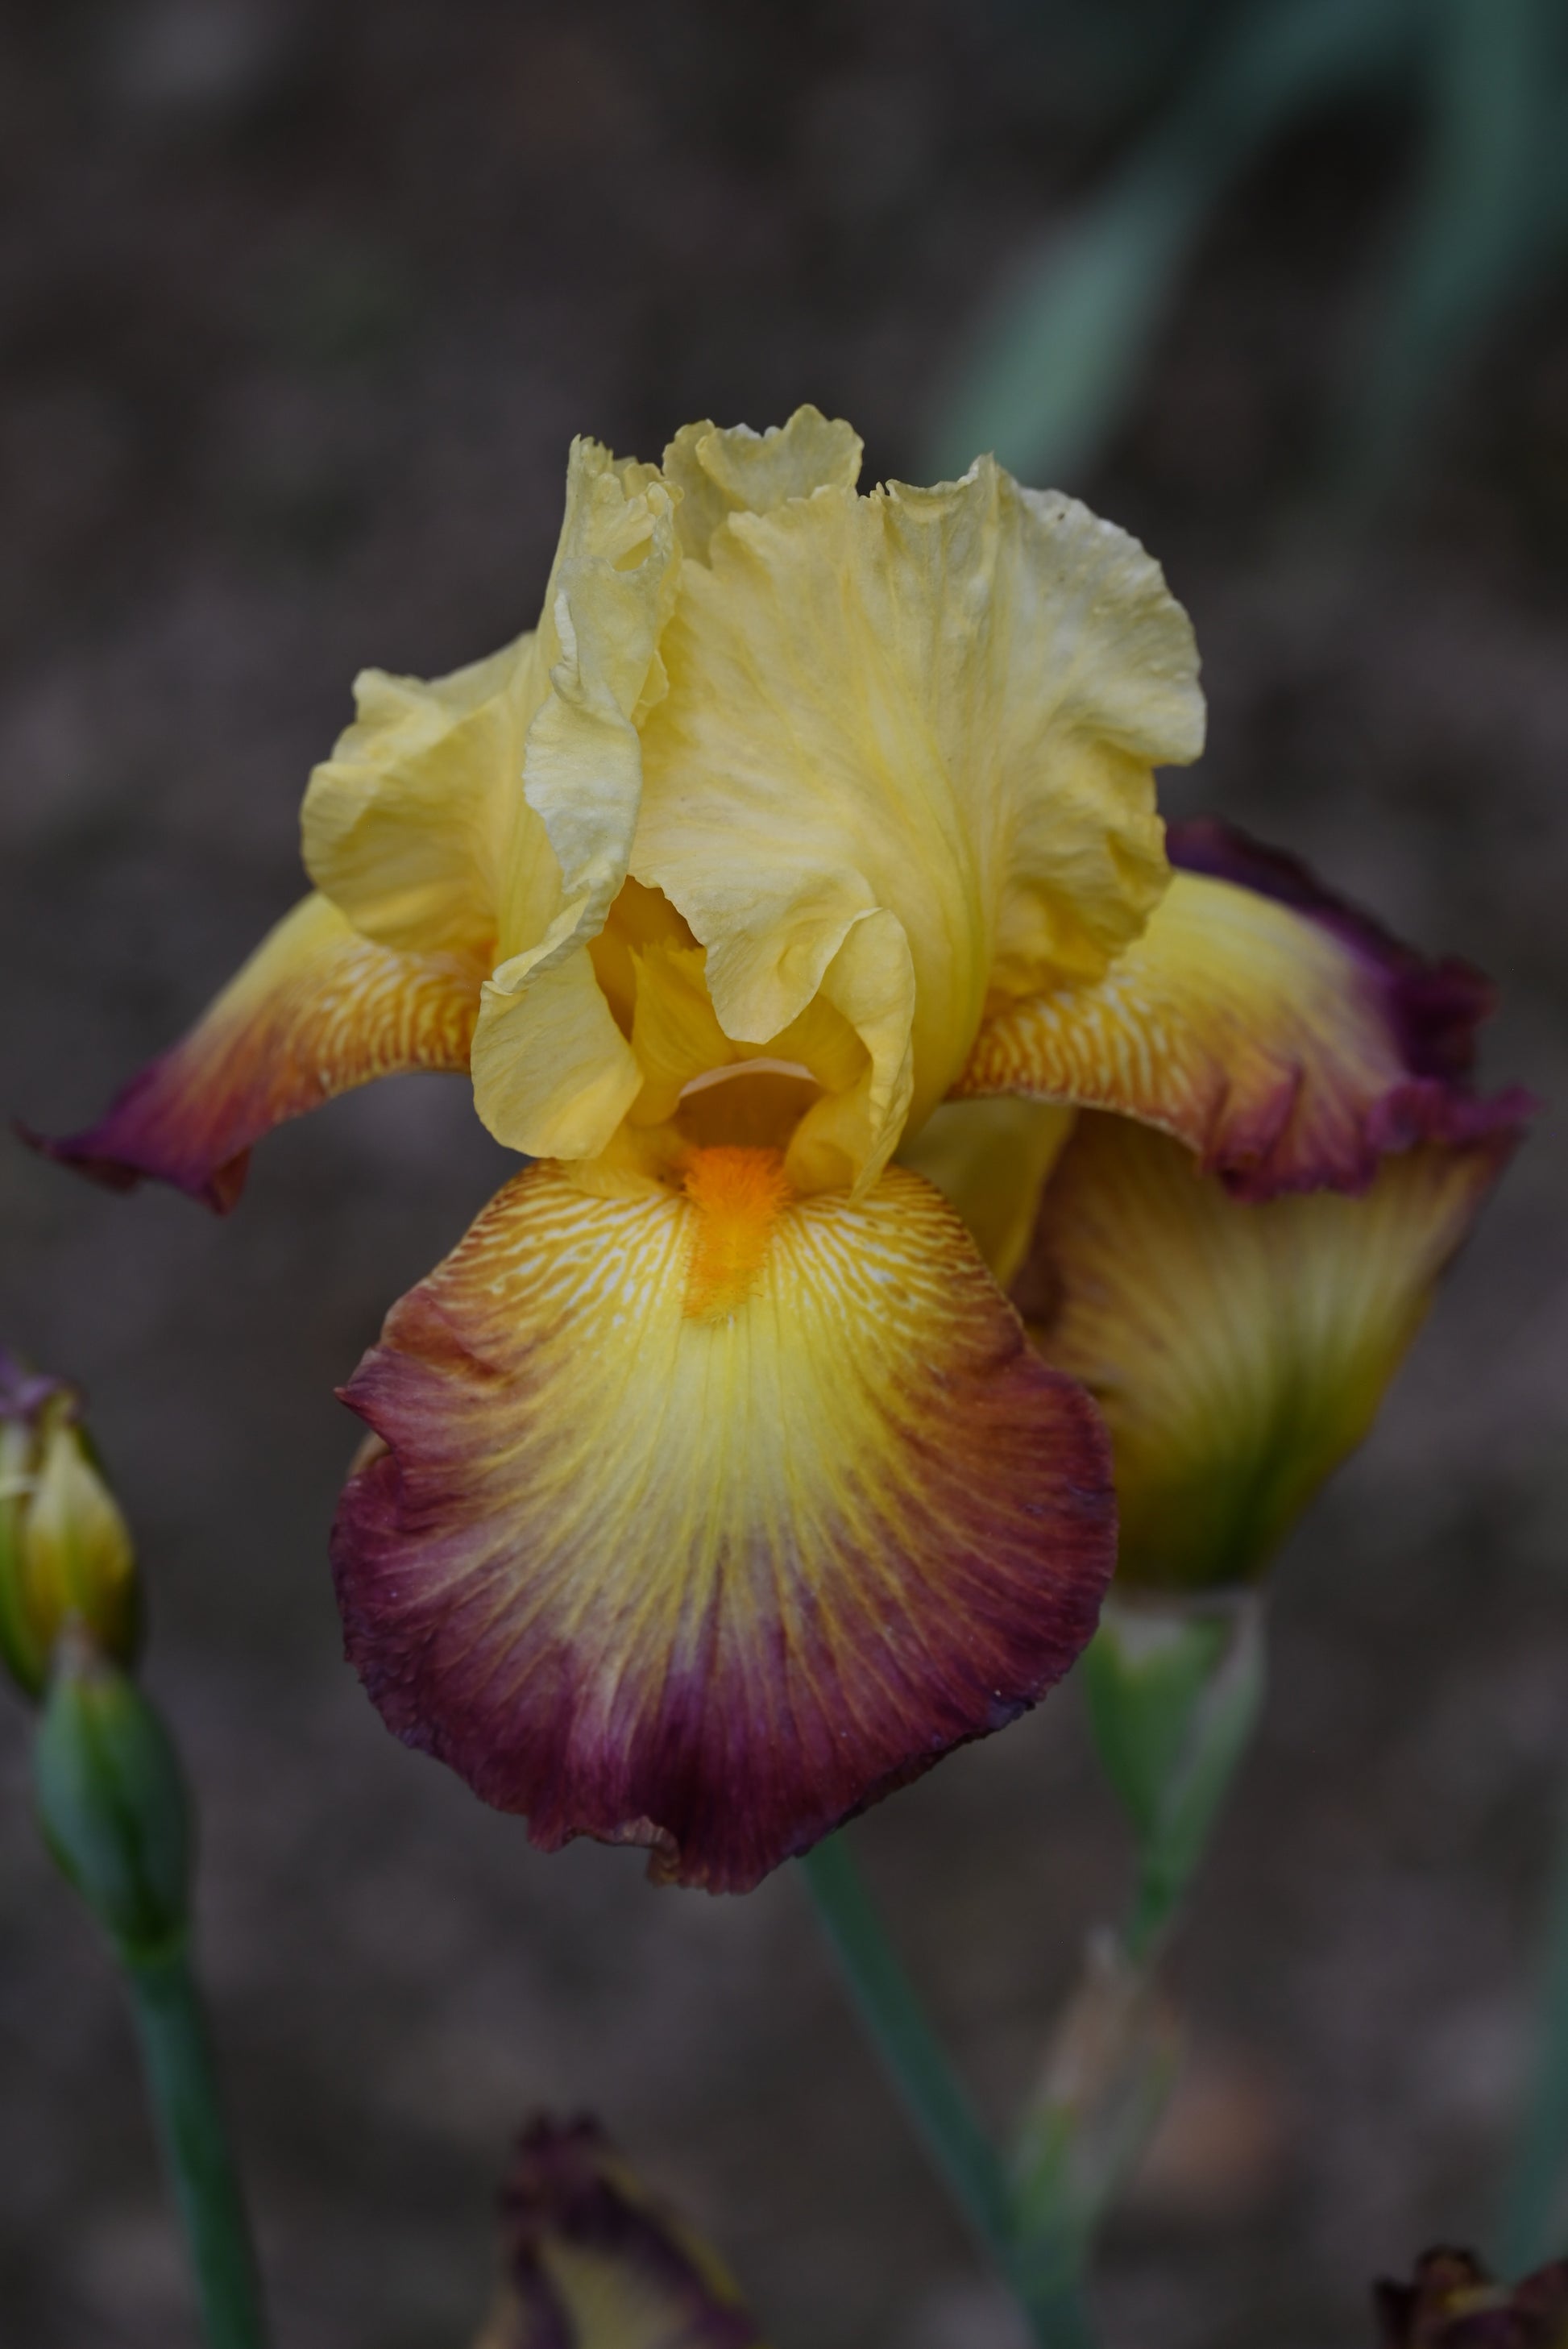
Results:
1487 215
1054 369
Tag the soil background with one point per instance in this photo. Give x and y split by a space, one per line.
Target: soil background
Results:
299 308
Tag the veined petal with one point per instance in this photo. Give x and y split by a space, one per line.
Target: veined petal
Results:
592 2260
1238 1352
1285 1038
703 1519
940 707
316 1011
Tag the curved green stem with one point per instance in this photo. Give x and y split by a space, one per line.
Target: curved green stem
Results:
182 2088
936 2101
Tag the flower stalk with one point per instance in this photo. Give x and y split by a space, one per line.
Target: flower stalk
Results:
183 2087
113 1806
115 1813
934 2099
1174 1693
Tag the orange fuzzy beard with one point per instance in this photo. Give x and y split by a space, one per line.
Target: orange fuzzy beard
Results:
739 1196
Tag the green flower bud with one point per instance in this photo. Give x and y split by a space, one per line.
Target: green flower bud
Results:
65 1552
112 1801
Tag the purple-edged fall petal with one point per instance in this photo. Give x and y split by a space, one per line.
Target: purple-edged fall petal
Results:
905 761
316 1010
1454 2303
591 2260
1238 1351
1281 1036
705 1517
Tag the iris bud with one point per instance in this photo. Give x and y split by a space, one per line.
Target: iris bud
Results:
112 1801
65 1552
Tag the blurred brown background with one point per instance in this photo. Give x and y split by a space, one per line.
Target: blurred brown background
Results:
299 306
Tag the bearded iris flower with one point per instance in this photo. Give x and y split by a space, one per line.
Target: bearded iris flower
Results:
803 864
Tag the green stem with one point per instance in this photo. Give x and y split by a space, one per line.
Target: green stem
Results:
904 2040
183 2087
1532 2200
937 2103
1175 1694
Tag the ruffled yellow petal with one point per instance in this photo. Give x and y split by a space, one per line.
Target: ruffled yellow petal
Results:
554 1076
1238 1351
1286 1048
706 1516
406 826
424 825
611 594
719 473
933 713
316 1010
491 813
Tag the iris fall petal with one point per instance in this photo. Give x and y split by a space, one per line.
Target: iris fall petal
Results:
1281 1037
704 1518
317 1010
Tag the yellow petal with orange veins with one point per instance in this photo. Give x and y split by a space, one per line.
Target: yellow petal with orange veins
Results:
707 1517
1281 1035
317 1010
938 710
1238 1352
